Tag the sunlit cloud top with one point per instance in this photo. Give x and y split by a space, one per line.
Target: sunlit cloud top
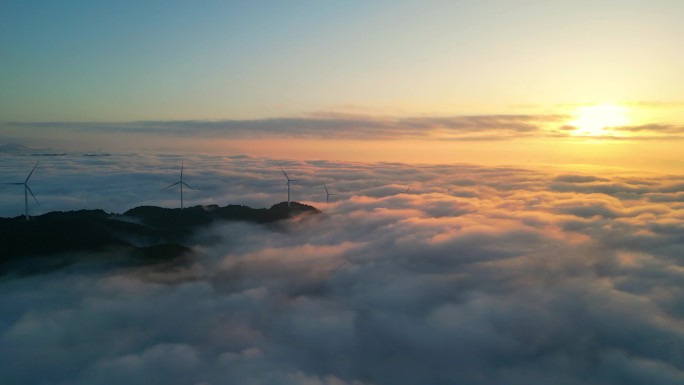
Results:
477 276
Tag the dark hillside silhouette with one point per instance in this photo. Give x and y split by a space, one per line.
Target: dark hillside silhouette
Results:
148 233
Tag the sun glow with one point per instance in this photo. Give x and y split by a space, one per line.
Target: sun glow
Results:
592 120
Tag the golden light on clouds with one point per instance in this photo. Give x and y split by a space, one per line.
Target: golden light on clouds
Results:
594 119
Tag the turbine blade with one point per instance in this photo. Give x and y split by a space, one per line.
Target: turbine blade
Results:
188 186
408 188
326 189
284 173
169 186
16 184
34 197
31 173
181 170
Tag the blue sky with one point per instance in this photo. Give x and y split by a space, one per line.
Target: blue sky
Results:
121 61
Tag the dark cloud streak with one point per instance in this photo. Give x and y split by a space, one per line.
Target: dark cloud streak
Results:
483 127
365 127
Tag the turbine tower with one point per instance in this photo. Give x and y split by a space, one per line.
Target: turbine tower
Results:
181 184
27 190
327 194
288 185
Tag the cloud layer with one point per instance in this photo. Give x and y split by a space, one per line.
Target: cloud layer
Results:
331 125
478 275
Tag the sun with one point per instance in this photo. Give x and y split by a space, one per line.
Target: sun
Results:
592 120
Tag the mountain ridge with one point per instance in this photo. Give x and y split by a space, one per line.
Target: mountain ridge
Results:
148 233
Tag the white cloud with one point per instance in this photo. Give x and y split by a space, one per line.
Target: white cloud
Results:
477 276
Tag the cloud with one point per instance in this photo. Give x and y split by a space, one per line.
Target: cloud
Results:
573 178
478 275
330 125
337 126
652 129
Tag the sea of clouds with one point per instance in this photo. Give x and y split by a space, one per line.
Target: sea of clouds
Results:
476 275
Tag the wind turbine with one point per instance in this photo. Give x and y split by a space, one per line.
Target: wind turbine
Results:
181 184
327 194
27 190
408 188
288 185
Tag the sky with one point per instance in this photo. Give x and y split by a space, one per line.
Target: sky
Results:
509 186
592 79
